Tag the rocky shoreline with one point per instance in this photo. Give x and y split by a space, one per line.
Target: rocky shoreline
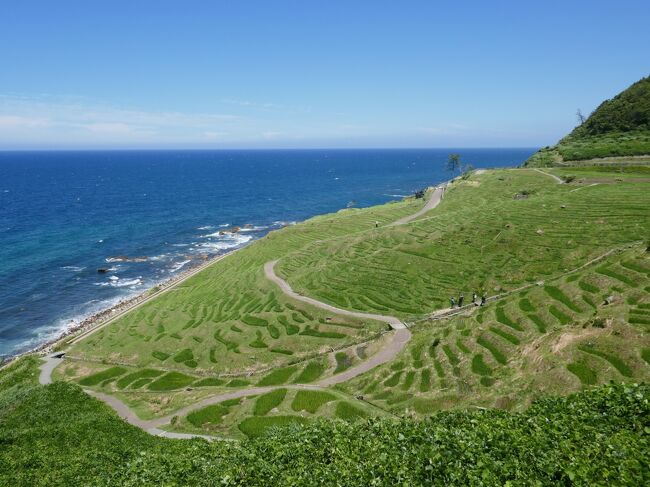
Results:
103 316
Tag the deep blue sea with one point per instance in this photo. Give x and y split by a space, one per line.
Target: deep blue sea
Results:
63 215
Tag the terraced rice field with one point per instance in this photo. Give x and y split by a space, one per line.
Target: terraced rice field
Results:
230 318
498 231
509 352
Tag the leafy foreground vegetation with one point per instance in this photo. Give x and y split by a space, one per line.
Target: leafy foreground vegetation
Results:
57 435
618 127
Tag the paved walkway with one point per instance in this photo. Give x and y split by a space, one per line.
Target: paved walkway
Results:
399 338
434 201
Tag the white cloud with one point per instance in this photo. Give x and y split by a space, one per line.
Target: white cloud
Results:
17 121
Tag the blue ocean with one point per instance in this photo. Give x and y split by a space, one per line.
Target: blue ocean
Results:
66 215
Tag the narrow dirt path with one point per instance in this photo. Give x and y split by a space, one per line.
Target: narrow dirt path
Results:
557 179
434 201
400 337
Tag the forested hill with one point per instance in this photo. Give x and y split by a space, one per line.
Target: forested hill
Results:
618 128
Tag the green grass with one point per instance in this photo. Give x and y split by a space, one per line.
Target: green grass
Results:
505 335
408 380
278 376
134 376
581 371
616 362
526 306
258 426
237 383
211 414
425 380
171 381
348 412
645 355
505 319
590 288
462 347
162 356
343 362
393 380
311 372
268 401
311 401
494 350
451 356
557 294
563 318
539 323
479 366
110 373
209 382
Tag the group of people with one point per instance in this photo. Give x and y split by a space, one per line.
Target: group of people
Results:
461 298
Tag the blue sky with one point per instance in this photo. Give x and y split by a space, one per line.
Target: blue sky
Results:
265 74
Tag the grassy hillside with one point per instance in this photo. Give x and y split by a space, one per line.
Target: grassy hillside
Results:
58 436
618 128
493 232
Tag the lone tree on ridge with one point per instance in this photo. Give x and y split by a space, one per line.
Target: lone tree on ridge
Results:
453 163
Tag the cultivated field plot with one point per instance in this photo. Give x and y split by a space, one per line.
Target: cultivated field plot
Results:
556 337
493 232
230 319
252 416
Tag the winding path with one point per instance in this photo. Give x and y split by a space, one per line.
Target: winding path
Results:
399 338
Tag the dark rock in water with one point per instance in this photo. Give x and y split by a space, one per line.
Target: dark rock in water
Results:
351 204
248 226
102 270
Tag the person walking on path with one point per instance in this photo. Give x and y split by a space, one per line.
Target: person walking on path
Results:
483 299
474 296
460 300
452 301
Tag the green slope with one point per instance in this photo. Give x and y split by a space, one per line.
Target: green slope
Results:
619 130
57 436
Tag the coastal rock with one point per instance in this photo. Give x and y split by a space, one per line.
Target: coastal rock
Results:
235 230
102 270
248 226
539 231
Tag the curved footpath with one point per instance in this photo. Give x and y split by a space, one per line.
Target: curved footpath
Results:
400 338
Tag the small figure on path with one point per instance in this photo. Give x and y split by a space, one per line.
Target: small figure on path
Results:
460 300
474 296
376 224
452 301
483 299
